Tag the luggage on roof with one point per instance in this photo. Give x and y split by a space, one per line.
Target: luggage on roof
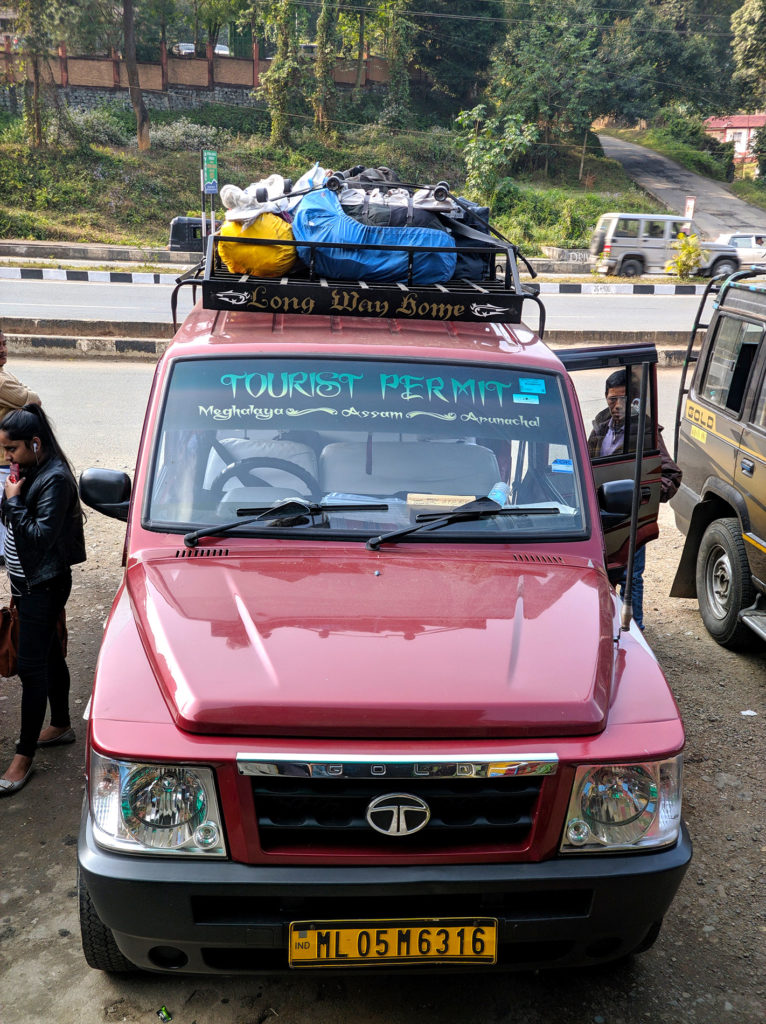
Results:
320 218
433 255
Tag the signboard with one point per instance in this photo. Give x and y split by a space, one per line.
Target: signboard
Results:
689 208
348 299
209 172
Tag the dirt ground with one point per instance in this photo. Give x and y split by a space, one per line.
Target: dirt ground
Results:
706 968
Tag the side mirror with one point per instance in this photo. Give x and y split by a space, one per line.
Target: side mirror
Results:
615 499
107 491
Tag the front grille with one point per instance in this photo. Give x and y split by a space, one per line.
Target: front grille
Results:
320 814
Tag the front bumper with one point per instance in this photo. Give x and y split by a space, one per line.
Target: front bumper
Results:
198 917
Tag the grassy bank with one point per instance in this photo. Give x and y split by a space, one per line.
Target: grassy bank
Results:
661 141
751 192
103 190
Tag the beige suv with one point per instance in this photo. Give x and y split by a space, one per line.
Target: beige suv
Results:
631 244
721 447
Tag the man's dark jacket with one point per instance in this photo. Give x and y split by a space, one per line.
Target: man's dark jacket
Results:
671 473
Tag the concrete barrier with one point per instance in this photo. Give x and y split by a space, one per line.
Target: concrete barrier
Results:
98 339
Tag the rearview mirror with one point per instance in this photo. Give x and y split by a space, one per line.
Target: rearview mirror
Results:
615 499
107 491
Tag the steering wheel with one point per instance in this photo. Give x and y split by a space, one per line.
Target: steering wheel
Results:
243 471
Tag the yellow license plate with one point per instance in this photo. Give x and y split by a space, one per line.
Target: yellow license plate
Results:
453 940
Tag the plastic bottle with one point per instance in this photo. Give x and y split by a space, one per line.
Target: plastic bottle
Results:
501 493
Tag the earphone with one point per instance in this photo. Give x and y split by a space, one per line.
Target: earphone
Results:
34 446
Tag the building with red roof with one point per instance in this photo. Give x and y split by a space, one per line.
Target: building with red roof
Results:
737 128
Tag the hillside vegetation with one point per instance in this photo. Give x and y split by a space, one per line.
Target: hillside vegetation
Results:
95 187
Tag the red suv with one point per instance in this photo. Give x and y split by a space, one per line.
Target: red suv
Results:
366 696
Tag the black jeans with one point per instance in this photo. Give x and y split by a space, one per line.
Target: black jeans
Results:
41 663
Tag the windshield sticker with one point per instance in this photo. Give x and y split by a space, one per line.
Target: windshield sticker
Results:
439 500
532 385
460 401
562 466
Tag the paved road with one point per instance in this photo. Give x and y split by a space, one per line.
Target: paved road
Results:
138 303
72 300
690 977
717 210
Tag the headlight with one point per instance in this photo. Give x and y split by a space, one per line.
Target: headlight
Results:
624 807
154 808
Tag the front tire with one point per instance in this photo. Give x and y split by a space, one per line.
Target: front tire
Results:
724 584
724 266
631 268
101 951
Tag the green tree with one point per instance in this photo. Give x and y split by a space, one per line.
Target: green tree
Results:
131 67
670 51
454 51
749 48
759 149
492 145
214 14
153 19
40 25
356 25
548 69
399 31
285 74
327 40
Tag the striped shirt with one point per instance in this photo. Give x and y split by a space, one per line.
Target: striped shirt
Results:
12 562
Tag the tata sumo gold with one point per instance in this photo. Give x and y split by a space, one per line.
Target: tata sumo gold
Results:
721 446
367 698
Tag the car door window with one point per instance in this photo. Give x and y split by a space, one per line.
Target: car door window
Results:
627 227
601 374
654 229
732 356
759 414
604 398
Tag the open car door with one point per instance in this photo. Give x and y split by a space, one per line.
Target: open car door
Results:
618 371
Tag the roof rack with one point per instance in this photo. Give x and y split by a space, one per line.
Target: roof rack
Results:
496 299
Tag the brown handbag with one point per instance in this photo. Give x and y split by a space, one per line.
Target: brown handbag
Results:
9 638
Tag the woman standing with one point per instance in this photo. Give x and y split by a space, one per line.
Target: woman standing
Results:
42 514
13 395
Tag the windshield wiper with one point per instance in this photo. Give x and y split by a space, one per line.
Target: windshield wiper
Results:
481 508
287 512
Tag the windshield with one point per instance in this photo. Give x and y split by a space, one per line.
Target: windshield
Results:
238 435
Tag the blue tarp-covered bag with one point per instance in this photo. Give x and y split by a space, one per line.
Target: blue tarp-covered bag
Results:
320 218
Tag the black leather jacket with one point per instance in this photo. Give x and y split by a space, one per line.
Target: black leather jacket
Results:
46 519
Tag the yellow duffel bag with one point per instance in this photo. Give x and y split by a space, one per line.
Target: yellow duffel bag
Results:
258 260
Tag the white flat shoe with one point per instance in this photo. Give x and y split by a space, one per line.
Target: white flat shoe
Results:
8 788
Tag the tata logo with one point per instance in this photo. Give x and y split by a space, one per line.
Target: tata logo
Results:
397 814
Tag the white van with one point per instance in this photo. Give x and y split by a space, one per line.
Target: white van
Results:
632 244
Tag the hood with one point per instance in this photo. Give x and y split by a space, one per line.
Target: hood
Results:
405 643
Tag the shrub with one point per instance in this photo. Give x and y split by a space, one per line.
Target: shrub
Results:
96 127
759 149
689 256
184 134
237 120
